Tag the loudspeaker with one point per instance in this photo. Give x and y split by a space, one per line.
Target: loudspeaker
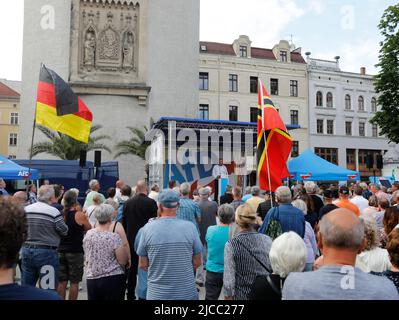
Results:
370 161
380 162
83 158
97 159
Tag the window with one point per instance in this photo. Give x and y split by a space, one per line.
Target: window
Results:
295 149
204 111
361 103
233 83
319 99
243 51
14 118
329 154
283 56
350 156
233 113
253 84
348 128
330 102
374 105
294 117
293 88
362 129
13 139
374 129
348 102
320 126
330 126
12 157
274 87
204 81
254 115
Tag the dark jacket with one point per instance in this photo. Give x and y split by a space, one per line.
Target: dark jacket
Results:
290 218
264 208
136 213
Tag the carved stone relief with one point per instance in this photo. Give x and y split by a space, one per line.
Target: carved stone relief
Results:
108 37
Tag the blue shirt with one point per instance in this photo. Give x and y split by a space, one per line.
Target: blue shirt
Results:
141 289
246 197
188 210
15 292
170 244
216 239
290 218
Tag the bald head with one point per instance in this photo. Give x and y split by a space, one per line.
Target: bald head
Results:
120 184
19 198
342 229
141 187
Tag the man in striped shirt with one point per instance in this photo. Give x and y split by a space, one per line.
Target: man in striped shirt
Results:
46 225
170 250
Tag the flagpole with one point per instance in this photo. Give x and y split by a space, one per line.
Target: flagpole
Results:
268 170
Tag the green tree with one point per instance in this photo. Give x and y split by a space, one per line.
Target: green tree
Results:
66 148
387 81
135 146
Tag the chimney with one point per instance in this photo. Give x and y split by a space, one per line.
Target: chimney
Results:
363 71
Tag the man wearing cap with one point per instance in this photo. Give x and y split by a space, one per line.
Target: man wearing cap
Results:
344 202
328 197
170 250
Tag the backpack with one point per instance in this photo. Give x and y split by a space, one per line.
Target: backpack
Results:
274 229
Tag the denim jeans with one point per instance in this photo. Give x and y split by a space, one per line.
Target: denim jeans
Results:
42 265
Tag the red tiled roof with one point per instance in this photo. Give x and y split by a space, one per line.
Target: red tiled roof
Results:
7 92
258 53
297 57
218 48
261 53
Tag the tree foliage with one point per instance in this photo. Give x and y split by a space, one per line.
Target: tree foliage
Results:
66 148
387 81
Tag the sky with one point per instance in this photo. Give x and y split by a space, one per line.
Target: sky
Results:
326 28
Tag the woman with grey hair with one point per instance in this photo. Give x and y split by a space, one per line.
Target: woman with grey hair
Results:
216 238
287 254
373 258
106 259
309 238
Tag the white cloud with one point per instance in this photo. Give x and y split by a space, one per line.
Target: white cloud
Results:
316 7
263 21
360 53
11 34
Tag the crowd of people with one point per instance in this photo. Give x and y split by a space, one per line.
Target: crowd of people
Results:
304 242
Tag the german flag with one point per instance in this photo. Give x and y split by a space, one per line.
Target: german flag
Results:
274 143
60 109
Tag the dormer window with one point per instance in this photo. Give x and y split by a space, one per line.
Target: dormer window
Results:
283 56
243 51
203 48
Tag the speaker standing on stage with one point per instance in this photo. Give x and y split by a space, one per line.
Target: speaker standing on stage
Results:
219 171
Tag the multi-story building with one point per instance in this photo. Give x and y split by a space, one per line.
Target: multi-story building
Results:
9 120
341 106
228 83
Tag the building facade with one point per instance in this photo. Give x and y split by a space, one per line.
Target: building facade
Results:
126 60
228 83
341 105
9 121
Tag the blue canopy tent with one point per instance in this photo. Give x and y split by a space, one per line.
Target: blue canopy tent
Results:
11 171
310 167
